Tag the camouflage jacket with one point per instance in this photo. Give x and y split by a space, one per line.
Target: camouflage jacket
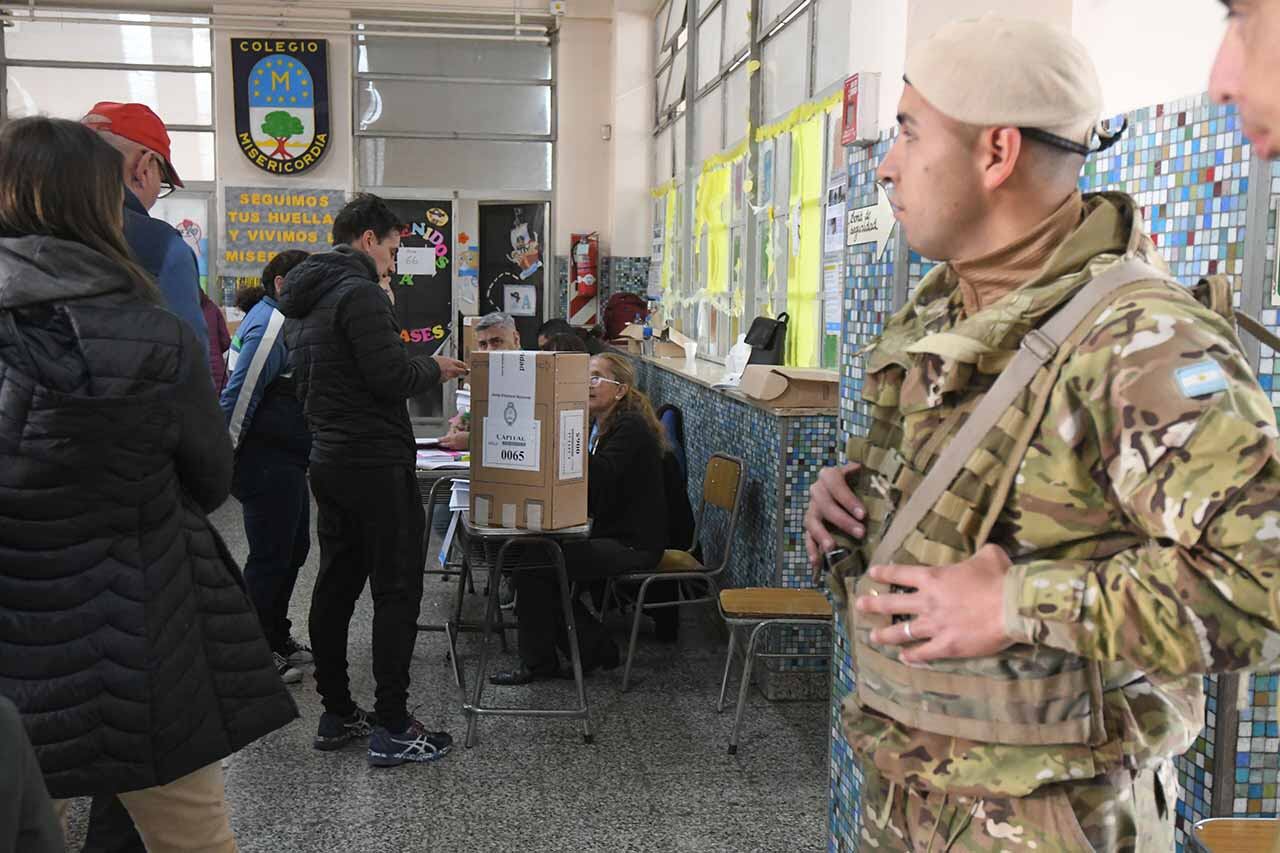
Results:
1144 522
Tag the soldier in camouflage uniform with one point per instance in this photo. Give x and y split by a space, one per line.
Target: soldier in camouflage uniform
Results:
1031 662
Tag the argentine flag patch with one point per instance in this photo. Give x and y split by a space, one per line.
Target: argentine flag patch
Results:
1202 379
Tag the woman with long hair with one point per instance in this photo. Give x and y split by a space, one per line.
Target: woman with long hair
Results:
626 498
126 638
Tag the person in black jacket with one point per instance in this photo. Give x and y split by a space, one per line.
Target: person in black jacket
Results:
626 498
126 638
353 376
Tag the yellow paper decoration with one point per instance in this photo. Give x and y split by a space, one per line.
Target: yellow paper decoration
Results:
662 189
805 262
802 113
667 240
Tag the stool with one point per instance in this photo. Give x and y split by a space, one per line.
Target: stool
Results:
762 608
1235 835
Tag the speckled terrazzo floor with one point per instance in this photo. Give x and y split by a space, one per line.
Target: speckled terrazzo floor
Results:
657 778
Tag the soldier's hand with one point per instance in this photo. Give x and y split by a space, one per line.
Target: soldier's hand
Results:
450 368
956 611
831 503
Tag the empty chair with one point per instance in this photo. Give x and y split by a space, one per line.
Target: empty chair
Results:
761 608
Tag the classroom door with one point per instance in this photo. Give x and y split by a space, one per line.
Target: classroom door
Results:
422 287
512 271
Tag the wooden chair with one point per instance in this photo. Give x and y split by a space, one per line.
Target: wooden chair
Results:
761 608
722 488
1236 835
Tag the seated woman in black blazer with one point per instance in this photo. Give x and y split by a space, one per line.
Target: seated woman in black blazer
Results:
626 499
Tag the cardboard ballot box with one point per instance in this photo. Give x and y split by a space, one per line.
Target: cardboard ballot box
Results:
529 439
468 338
783 387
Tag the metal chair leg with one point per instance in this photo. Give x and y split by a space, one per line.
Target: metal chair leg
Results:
635 633
491 613
566 602
746 685
604 602
728 661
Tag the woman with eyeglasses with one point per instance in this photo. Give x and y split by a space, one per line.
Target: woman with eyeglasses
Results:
626 498
127 641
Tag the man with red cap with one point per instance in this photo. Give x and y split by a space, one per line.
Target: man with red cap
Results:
139 134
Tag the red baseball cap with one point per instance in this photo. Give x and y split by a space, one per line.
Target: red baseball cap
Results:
137 123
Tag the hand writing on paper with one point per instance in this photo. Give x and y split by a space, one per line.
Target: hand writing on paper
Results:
831 502
456 440
956 611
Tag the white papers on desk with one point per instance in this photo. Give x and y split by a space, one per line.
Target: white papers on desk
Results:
459 501
447 542
460 497
432 460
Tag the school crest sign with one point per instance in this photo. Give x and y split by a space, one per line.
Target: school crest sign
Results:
282 102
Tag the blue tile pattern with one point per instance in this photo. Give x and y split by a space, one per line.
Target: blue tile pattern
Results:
715 423
1257 764
768 545
617 275
868 301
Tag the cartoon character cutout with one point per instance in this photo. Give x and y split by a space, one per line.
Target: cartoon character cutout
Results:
526 251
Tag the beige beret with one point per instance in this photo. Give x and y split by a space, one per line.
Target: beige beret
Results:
1009 72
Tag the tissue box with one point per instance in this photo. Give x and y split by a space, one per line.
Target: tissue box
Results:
671 344
529 439
791 387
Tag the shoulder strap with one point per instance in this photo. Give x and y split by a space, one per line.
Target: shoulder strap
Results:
1038 348
1259 331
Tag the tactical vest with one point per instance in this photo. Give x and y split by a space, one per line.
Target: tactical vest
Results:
1026 695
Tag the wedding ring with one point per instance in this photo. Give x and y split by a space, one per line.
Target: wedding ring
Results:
906 626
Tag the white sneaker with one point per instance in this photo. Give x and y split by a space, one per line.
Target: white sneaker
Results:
289 674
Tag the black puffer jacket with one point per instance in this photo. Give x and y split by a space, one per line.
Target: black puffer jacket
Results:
626 495
126 638
351 367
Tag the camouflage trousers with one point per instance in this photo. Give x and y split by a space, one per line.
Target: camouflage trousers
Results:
1119 812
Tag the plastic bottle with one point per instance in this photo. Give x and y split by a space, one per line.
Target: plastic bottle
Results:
648 337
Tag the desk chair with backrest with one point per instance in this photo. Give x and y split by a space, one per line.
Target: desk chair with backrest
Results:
722 488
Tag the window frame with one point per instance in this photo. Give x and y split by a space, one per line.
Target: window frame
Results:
746 221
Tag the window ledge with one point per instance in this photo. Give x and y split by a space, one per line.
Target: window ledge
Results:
707 373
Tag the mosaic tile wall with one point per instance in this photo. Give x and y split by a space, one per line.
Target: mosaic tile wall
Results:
715 423
617 275
868 300
768 546
1257 762
810 444
1187 165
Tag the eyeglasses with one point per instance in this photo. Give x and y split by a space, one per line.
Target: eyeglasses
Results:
166 186
596 380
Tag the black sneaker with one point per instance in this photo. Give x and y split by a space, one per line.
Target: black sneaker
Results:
288 673
414 744
296 653
335 732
